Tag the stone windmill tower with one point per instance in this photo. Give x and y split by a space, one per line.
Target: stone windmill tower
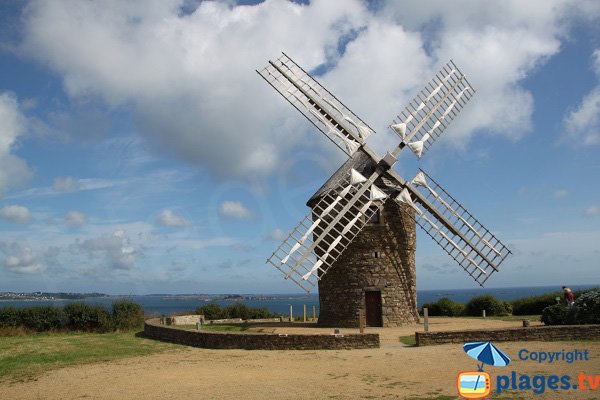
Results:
358 243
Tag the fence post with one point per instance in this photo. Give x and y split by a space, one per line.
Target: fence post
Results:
361 320
426 319
291 315
483 313
304 314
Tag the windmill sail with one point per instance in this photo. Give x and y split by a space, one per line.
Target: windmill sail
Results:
322 236
460 234
432 110
317 104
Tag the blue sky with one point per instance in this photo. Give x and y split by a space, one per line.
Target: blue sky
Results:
141 153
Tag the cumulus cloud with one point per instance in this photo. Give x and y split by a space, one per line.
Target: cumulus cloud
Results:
114 250
187 72
592 211
169 218
277 235
13 170
65 184
561 193
15 213
235 209
75 219
190 76
583 124
20 259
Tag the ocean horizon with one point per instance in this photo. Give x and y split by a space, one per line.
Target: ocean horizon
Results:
166 304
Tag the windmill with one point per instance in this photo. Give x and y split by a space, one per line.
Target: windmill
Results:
358 242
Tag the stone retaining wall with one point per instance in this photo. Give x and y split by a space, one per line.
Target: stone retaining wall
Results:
535 333
257 341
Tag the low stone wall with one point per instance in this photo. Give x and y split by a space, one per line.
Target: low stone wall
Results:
257 341
534 333
184 319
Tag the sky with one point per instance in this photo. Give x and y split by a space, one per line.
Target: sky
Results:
140 152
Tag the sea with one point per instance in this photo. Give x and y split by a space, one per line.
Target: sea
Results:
166 304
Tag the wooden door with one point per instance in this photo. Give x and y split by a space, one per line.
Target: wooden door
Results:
373 308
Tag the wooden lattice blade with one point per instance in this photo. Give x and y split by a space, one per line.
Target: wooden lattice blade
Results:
317 104
322 236
452 227
432 110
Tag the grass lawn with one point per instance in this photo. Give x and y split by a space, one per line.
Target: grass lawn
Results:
24 357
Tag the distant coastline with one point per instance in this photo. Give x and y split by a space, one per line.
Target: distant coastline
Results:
166 304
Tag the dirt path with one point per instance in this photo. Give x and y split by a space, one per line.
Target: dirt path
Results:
392 371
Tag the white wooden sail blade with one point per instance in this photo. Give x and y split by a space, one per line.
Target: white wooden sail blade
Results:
432 110
317 104
356 177
321 237
470 244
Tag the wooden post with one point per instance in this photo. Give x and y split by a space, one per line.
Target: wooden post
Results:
361 320
314 313
426 319
483 313
291 315
304 314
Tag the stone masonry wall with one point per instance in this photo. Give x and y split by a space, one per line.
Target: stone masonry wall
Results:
257 341
342 289
535 333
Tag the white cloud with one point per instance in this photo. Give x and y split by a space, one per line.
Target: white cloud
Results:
20 259
561 193
13 170
15 213
277 235
66 184
75 219
169 218
190 78
582 126
115 250
592 211
235 209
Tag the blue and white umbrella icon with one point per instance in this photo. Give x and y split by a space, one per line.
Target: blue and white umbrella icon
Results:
487 353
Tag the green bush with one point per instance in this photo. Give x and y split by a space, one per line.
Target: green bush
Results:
491 305
127 315
557 314
444 307
41 319
587 308
236 310
535 304
10 317
211 311
87 317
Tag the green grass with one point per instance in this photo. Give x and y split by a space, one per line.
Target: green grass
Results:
25 357
509 317
409 340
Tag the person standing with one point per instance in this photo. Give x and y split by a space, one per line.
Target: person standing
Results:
569 296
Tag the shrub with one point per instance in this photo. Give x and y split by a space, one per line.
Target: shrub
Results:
41 319
261 313
490 304
10 317
87 317
535 304
238 310
211 311
127 315
444 307
555 315
587 308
